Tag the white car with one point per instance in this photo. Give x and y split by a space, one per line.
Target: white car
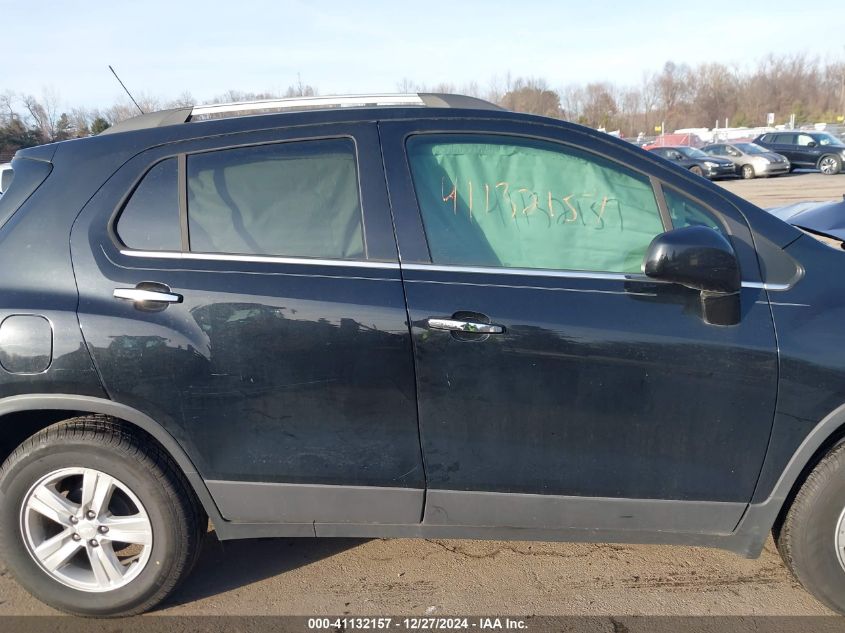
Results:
5 177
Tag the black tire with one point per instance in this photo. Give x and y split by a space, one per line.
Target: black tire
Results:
175 517
747 172
830 164
806 538
698 171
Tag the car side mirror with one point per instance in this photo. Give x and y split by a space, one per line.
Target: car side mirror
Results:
811 144
702 259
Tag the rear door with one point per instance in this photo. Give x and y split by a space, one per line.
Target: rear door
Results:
559 387
273 341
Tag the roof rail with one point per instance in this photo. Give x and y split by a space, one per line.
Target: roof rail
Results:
268 106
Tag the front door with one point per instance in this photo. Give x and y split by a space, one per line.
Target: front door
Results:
247 296
558 387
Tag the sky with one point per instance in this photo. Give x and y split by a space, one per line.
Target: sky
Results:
165 48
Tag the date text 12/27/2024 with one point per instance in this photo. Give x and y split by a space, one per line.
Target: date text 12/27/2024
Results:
417 624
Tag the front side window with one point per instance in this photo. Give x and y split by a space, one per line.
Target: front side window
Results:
503 202
686 212
805 140
149 220
298 199
828 139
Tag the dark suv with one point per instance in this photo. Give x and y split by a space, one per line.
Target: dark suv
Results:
813 150
421 316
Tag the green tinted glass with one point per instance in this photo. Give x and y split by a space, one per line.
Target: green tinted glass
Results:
500 201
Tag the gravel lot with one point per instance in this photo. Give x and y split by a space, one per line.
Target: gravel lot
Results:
337 576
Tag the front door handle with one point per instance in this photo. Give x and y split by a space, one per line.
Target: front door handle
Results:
468 327
148 292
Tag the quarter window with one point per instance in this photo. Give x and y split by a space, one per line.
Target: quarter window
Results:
289 199
150 219
6 179
500 202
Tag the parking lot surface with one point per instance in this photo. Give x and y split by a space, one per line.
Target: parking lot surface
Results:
788 189
415 577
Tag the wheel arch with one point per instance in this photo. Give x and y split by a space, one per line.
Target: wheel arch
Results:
762 518
822 438
35 412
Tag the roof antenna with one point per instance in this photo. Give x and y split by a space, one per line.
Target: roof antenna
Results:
126 89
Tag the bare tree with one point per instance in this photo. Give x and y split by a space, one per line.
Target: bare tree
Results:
600 109
44 113
572 102
533 96
673 85
300 89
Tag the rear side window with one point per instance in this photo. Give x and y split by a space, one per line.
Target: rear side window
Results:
150 219
506 202
298 199
28 176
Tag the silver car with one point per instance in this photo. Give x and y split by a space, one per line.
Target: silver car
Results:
751 160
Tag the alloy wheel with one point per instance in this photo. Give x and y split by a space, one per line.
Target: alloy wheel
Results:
86 529
829 165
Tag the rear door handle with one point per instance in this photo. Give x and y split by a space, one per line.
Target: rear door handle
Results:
148 292
469 327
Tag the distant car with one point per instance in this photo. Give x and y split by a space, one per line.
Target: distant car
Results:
751 160
5 177
813 150
697 161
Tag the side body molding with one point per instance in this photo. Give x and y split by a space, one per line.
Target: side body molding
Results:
89 404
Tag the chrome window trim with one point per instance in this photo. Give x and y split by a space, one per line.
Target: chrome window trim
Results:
532 272
225 257
765 286
572 274
488 270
